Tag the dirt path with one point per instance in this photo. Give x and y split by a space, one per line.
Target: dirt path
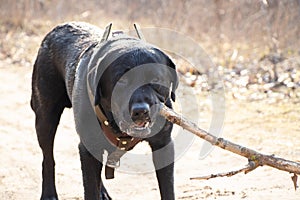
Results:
270 128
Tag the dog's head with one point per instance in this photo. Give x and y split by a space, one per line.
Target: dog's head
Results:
133 85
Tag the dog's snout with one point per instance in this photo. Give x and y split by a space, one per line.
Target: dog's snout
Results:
140 112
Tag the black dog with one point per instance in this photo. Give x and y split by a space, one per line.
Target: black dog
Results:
115 86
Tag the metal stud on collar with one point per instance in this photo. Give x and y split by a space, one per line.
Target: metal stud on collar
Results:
106 123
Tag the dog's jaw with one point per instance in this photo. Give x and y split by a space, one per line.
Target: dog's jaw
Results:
133 130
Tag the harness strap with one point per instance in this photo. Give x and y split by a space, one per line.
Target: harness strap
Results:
106 32
138 32
120 140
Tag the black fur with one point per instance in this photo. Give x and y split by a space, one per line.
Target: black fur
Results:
63 60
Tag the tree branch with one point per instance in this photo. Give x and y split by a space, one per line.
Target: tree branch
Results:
257 158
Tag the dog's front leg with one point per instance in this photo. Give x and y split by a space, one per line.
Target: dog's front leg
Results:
163 159
91 172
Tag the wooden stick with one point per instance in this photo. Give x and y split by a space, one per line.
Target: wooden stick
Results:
258 158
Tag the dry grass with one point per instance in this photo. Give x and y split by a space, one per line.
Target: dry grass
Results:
251 29
262 21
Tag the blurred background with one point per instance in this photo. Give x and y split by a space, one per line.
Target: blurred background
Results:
261 21
259 38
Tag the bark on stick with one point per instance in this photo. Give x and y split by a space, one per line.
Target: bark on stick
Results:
258 158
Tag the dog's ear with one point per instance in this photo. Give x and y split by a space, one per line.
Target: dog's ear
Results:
173 78
172 75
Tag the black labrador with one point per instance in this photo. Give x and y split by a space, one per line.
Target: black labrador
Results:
115 84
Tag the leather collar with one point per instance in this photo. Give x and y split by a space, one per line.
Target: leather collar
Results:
117 138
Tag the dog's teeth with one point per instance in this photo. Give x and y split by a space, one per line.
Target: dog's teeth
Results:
140 128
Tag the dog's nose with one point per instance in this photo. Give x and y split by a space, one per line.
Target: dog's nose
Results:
140 112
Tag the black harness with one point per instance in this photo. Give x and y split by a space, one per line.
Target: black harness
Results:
121 140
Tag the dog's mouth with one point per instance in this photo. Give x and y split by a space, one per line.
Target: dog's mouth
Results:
141 125
140 129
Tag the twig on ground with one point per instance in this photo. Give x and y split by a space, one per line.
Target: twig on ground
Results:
294 179
248 168
254 157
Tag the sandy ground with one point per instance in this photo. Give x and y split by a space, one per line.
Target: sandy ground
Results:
269 128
